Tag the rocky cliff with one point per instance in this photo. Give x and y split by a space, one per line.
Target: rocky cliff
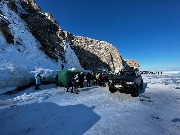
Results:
91 53
97 54
129 64
43 27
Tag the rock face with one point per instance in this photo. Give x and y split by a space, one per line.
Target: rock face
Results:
45 29
92 54
5 30
129 64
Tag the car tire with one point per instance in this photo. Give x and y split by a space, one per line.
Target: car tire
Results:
112 90
135 91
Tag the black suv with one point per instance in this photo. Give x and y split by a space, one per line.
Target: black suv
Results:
129 80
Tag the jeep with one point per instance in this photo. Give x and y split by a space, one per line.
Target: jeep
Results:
128 80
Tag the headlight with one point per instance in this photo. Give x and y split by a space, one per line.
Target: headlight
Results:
110 81
129 82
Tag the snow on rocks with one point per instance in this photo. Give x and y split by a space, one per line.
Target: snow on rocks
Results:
69 62
21 60
15 69
4 18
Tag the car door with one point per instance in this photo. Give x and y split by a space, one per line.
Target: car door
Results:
138 78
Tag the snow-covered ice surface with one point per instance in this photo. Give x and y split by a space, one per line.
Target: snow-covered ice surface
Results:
94 111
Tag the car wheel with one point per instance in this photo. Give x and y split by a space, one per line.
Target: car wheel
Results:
135 91
112 90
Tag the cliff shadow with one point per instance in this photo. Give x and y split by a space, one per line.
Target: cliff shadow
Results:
47 118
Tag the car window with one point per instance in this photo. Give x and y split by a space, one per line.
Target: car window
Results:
128 73
138 73
121 73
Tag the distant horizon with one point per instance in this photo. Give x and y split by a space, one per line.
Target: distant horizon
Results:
145 31
159 69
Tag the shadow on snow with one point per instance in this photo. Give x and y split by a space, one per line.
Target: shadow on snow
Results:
175 120
141 91
47 118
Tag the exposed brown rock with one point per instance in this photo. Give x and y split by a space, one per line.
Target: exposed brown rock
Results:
6 31
50 17
44 29
96 54
128 63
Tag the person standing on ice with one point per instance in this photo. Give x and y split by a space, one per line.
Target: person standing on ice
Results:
97 78
88 78
72 84
62 66
38 81
81 80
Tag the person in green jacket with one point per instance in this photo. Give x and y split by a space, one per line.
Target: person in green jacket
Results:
38 81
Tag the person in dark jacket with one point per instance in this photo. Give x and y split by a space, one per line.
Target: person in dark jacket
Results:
72 84
81 80
88 78
62 66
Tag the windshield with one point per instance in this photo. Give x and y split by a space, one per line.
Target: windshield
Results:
128 73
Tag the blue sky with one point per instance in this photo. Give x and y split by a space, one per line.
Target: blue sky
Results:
144 30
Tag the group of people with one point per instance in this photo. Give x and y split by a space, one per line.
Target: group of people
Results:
78 81
100 79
